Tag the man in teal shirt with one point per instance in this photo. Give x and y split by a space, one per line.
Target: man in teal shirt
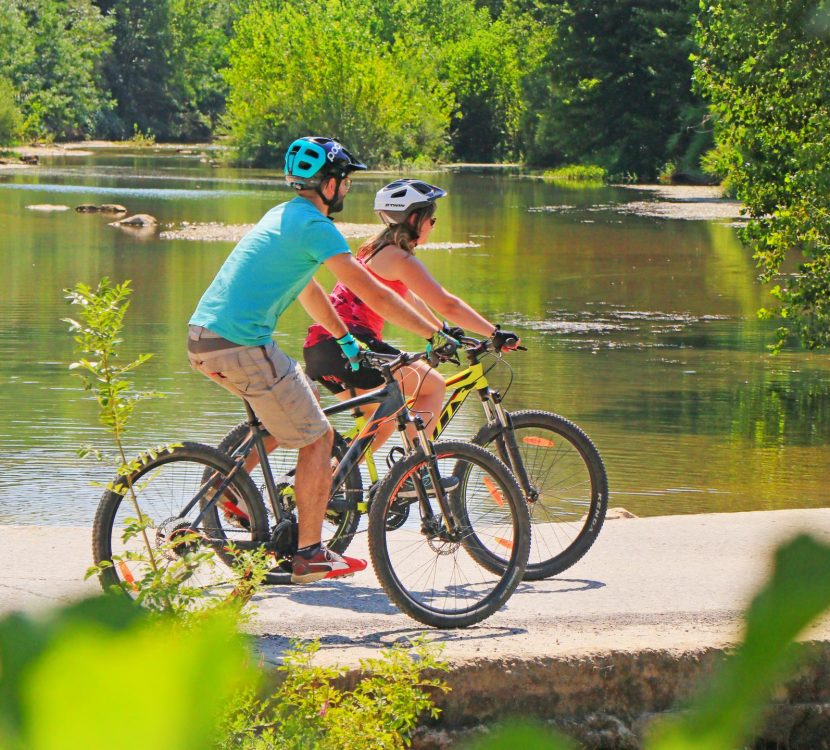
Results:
229 338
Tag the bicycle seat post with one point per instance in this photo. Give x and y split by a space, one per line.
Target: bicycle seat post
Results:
253 420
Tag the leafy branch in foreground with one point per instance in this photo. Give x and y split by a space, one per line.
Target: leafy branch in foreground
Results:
97 336
309 710
166 573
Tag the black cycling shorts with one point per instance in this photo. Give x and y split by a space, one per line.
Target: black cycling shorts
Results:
326 364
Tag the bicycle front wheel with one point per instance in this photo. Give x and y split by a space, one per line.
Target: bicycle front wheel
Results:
193 557
568 489
424 562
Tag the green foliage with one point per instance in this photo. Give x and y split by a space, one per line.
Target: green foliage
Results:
308 710
103 674
355 70
315 67
164 582
765 68
164 66
51 52
142 140
97 336
615 87
578 173
10 119
723 717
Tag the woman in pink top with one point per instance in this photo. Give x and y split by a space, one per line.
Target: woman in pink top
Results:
407 209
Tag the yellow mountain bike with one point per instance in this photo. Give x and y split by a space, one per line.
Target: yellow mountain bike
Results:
557 466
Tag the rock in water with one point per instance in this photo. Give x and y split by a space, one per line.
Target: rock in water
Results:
138 220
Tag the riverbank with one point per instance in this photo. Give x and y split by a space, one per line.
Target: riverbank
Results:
689 202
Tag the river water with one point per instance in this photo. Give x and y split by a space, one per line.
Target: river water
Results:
642 330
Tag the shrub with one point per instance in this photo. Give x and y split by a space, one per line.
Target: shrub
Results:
10 120
581 173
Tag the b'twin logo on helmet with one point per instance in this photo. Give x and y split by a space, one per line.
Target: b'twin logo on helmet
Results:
395 205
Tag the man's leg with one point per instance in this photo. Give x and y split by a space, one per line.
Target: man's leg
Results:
312 485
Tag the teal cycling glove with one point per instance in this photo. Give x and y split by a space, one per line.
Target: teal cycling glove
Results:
351 350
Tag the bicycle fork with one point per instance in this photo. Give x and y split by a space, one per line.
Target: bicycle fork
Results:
506 444
448 525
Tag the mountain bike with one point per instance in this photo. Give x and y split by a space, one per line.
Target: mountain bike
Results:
427 543
557 466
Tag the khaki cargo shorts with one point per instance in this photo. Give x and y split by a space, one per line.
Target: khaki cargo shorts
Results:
275 386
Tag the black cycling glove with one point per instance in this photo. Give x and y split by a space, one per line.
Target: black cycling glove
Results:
505 339
452 331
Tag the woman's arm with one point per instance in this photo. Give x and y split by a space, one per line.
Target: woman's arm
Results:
396 265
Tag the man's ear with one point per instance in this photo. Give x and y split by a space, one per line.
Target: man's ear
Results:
327 187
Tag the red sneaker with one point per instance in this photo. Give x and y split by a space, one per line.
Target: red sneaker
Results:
324 564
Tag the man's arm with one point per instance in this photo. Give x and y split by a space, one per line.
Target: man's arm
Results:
421 307
381 299
318 305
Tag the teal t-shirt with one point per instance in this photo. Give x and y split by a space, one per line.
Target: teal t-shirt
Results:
266 272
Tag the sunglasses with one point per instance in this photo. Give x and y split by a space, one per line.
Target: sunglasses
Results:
432 220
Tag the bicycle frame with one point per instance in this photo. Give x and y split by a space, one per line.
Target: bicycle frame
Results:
472 378
391 404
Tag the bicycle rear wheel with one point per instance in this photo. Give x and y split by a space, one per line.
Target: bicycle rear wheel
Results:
430 572
342 517
195 555
568 495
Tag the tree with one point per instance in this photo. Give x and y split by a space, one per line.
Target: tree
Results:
51 53
615 85
320 67
765 68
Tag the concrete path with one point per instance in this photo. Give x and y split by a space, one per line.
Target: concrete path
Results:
675 583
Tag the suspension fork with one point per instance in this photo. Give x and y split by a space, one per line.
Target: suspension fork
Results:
506 444
426 447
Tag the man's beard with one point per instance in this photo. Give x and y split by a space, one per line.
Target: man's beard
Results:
336 207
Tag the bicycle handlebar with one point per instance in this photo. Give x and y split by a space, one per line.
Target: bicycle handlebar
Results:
396 361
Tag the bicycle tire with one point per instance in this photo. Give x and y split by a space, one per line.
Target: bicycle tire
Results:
434 581
339 527
559 458
163 485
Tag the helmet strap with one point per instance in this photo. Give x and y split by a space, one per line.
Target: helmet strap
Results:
329 202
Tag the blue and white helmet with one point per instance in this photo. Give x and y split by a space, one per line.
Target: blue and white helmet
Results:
312 158
397 200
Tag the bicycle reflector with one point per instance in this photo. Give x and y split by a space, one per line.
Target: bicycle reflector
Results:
538 441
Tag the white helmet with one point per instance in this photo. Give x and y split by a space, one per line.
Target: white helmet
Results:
395 201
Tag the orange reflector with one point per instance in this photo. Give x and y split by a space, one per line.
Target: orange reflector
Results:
540 441
504 542
494 491
126 575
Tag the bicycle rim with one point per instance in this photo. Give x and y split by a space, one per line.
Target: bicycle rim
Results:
429 573
193 560
568 488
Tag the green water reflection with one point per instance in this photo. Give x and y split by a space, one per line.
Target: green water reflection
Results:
641 330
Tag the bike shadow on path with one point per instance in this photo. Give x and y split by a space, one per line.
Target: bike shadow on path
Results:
373 599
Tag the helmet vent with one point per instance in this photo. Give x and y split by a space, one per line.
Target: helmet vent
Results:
398 194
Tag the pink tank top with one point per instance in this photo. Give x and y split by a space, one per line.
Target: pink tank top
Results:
356 314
